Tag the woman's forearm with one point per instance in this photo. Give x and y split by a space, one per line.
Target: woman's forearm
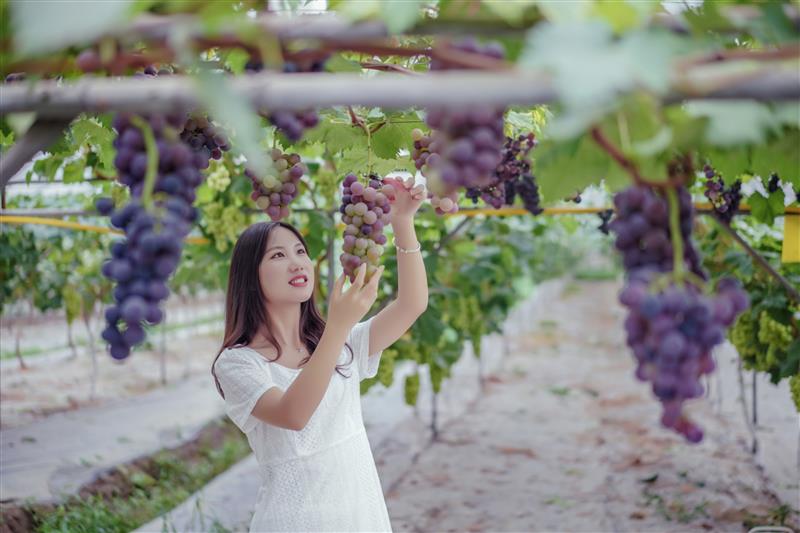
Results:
412 281
304 395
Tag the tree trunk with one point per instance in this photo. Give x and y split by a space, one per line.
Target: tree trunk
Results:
17 352
71 341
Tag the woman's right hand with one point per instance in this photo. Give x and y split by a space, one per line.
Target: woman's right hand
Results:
346 308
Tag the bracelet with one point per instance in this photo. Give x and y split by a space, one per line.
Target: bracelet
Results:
405 251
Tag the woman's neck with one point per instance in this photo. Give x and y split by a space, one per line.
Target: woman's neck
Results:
285 321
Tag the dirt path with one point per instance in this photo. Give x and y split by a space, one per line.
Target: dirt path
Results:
565 439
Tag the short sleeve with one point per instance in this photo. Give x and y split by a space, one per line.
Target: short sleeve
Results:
359 340
243 381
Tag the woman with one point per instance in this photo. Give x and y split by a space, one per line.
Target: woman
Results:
291 380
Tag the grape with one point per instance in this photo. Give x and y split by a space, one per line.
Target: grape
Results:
642 230
513 165
444 200
274 193
205 139
671 331
468 142
219 177
605 217
528 191
291 123
142 262
15 77
363 234
724 200
774 183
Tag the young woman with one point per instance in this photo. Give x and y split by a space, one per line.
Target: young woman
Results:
290 380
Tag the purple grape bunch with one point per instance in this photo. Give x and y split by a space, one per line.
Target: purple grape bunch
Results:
365 211
143 261
291 123
724 200
274 193
203 137
528 191
671 327
513 165
642 230
468 142
672 332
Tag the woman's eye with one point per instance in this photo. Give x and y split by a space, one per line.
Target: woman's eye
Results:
277 254
301 250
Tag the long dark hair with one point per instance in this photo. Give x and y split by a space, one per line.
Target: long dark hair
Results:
245 311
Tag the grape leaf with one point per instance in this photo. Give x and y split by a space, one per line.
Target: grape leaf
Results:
337 136
735 121
87 131
39 29
73 171
388 140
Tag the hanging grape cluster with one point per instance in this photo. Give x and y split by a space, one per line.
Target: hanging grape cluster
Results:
142 263
724 200
274 193
365 211
513 166
468 141
292 123
671 325
671 332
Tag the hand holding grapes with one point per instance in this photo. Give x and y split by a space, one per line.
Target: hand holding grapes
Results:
407 197
346 308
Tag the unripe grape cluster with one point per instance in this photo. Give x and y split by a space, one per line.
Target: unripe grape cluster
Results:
671 332
443 201
219 177
275 192
142 263
365 211
724 200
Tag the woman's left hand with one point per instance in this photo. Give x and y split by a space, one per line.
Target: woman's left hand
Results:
407 199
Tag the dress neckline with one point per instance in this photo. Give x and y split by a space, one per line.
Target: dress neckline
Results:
271 362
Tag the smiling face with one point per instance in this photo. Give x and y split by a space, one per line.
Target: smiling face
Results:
286 258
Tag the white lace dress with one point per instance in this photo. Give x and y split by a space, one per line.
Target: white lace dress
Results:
322 478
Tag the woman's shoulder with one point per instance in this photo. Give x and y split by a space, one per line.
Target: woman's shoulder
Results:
238 354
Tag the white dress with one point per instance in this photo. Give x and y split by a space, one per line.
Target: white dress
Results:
322 478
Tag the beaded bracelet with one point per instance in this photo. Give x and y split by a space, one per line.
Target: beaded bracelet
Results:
405 251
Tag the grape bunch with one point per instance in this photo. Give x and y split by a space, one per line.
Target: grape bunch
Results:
219 177
142 262
468 141
643 234
724 200
513 165
365 211
292 123
202 136
671 331
205 139
443 200
528 191
274 193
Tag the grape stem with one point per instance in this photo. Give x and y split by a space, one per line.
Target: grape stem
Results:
759 259
356 120
628 165
677 238
152 159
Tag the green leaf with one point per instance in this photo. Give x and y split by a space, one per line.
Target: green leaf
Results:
89 131
399 15
236 115
619 14
564 168
73 172
337 136
760 209
338 63
388 140
734 121
780 156
40 28
236 59
512 12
